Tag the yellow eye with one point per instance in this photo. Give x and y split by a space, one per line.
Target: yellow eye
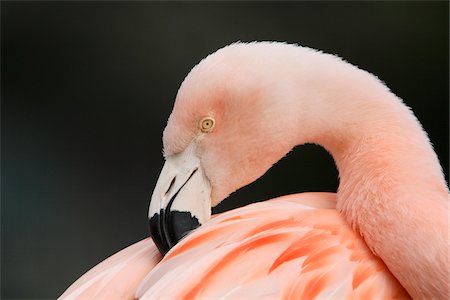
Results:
207 124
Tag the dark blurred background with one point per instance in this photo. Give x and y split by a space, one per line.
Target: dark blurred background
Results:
86 89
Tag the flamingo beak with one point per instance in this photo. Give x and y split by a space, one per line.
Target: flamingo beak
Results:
181 200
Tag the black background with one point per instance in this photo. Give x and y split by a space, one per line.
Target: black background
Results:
87 89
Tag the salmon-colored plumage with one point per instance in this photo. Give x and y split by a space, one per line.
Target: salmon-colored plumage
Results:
258 249
382 236
292 247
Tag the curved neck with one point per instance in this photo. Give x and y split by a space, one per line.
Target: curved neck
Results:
392 189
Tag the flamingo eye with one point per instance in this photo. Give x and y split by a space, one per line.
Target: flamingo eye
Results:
207 124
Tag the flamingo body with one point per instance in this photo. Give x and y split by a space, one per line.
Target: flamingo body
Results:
238 112
293 247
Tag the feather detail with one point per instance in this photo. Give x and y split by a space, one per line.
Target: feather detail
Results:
290 247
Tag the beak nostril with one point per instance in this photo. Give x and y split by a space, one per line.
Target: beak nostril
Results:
170 187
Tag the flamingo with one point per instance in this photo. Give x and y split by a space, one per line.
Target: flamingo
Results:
384 234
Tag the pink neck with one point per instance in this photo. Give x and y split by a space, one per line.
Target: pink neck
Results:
392 189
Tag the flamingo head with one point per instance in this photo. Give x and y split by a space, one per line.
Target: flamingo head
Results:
227 128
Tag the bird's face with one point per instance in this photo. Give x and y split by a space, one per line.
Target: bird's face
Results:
221 135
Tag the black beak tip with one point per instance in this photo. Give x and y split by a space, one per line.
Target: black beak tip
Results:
168 227
181 223
157 234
